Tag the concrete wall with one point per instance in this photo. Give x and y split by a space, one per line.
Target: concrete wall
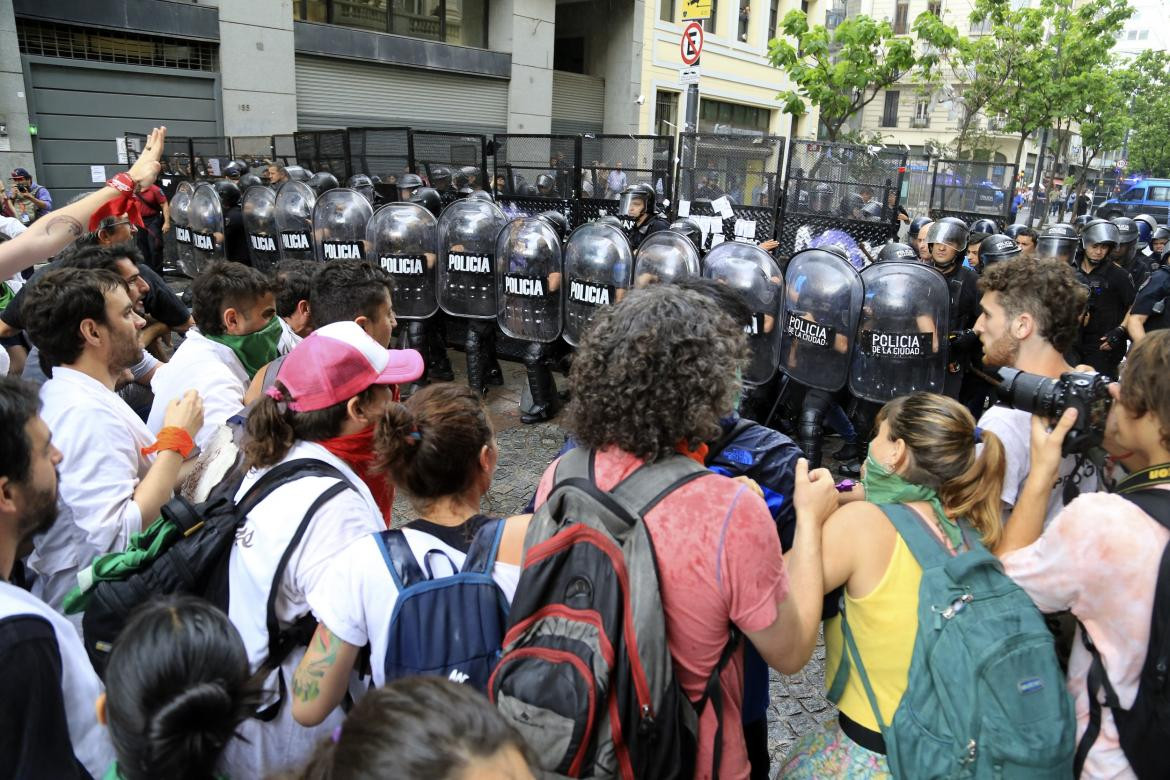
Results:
624 33
257 66
525 28
16 148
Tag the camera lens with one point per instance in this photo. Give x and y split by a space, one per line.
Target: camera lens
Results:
1028 392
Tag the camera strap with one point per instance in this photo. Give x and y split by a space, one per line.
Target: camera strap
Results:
1146 478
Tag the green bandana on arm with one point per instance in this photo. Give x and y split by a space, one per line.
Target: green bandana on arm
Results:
883 486
254 350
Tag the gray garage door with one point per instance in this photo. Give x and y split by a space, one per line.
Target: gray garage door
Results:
79 109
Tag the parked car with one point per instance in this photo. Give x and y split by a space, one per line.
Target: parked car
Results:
1148 196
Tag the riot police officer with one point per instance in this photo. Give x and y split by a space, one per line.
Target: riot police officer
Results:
1125 253
689 228
1059 242
894 252
1101 342
1148 312
363 184
946 240
637 211
407 185
235 240
322 182
996 249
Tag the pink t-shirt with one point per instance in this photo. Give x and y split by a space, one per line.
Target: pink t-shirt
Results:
719 562
1098 558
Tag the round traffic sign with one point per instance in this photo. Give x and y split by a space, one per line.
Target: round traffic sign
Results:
691 45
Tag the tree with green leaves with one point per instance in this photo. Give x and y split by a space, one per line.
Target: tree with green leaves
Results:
841 71
1105 118
1149 93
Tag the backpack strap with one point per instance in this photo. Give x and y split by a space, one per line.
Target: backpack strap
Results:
481 556
404 569
851 656
713 692
924 545
648 484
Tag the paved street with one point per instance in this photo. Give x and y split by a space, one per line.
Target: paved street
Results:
525 450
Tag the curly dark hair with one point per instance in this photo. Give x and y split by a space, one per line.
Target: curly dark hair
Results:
1047 290
654 370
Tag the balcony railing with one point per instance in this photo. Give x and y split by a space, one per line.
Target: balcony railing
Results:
919 122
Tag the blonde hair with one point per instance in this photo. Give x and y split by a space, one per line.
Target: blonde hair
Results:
939 434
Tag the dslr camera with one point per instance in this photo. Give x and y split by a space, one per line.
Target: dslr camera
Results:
1087 393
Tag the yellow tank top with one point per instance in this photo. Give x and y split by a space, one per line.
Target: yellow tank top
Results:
884 624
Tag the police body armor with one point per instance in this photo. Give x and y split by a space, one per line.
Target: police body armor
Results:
180 205
294 220
205 219
752 273
665 256
404 241
259 210
901 342
467 249
339 225
529 280
822 304
598 270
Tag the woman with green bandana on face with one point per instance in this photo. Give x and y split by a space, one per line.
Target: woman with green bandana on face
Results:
922 457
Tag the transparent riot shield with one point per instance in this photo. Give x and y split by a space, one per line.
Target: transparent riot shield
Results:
529 280
665 256
294 220
902 335
260 226
598 270
467 250
822 302
404 238
205 218
752 273
180 205
339 225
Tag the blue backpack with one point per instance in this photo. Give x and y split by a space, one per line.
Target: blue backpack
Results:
450 626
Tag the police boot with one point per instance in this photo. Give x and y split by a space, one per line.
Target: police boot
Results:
808 436
544 400
438 364
495 374
416 339
475 361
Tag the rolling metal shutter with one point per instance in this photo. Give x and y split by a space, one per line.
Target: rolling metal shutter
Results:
578 103
337 93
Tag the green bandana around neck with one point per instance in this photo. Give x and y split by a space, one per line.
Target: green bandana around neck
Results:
883 486
255 350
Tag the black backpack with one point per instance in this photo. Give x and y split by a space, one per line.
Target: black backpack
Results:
586 676
1144 729
196 562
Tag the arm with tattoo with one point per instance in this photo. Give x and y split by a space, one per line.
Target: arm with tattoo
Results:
322 678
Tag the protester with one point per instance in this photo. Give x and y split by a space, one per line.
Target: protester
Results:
293 282
119 474
440 449
27 201
423 727
1026 237
238 332
921 457
1101 554
641 392
1030 312
323 406
177 687
47 722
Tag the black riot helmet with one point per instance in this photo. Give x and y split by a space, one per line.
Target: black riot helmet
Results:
690 229
297 173
641 193
463 192
440 177
235 169
949 230
363 184
468 176
917 224
249 180
1161 233
545 185
1080 222
1100 231
872 211
610 219
1014 229
322 182
1146 226
985 226
429 199
558 221
407 185
894 252
1126 229
1058 242
229 193
996 248
480 195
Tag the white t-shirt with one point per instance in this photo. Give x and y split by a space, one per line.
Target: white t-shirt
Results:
209 367
360 602
281 744
1014 429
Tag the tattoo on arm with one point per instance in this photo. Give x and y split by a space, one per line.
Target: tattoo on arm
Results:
62 224
323 649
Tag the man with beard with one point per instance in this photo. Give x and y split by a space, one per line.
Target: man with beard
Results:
1029 316
48 726
118 476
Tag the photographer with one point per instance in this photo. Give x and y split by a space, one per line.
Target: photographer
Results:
26 199
1030 314
1100 556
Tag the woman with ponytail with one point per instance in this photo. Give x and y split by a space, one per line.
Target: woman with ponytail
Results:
439 448
924 457
320 413
177 687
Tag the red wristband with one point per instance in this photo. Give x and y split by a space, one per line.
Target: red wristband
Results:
122 183
172 438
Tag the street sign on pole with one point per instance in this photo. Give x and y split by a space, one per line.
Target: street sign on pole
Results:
688 76
691 43
696 9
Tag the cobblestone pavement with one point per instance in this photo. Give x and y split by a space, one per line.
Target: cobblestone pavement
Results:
797 701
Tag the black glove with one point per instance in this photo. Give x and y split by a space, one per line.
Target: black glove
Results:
1116 338
964 339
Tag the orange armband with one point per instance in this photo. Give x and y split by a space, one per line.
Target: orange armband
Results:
172 438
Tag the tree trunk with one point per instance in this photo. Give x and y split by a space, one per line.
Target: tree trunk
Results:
1020 148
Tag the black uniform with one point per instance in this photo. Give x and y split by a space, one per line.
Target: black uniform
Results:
1152 300
1110 296
235 240
649 227
963 283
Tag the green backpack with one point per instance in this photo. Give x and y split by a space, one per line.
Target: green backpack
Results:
985 696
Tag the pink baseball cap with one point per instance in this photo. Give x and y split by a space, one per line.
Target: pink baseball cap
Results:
336 362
